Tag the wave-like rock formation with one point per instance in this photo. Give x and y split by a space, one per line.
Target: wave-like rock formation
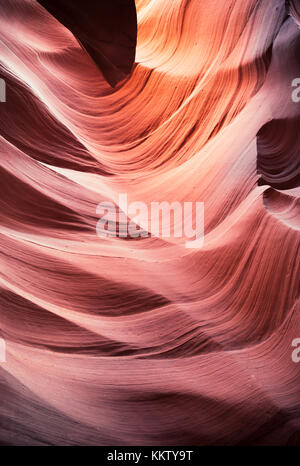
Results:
117 341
